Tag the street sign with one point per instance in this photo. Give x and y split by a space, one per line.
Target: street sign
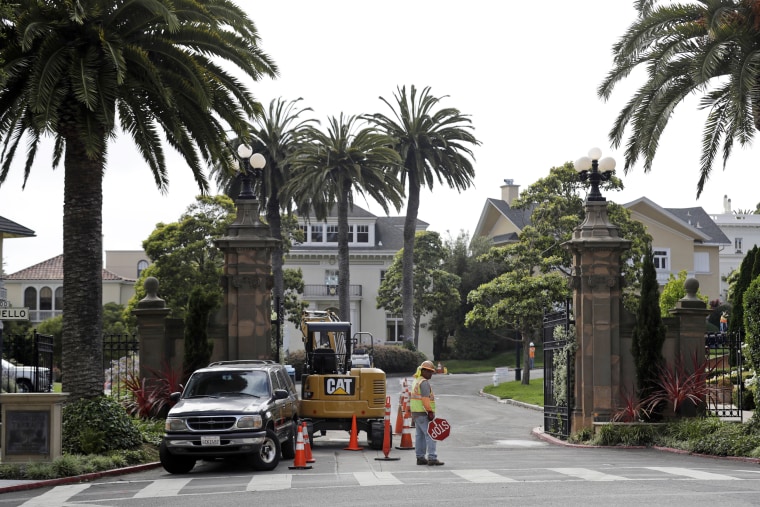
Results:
14 313
439 429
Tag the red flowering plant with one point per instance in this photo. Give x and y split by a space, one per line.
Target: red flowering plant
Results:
632 410
676 386
149 397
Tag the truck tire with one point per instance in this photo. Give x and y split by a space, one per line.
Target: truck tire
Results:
267 457
289 446
175 464
375 435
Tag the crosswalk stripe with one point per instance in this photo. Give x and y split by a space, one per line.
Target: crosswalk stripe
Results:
270 482
694 474
482 476
165 487
56 496
376 479
588 475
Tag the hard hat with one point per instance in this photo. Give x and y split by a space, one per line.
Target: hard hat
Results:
531 344
427 365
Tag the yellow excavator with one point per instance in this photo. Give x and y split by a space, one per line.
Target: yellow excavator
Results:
333 391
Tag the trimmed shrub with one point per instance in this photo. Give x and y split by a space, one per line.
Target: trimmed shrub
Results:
96 426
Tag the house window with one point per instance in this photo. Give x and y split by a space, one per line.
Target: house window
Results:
362 233
317 234
46 298
30 298
331 277
701 262
141 266
394 328
305 232
662 264
382 275
332 234
738 245
59 298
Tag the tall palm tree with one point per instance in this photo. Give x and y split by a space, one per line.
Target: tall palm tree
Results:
711 47
81 70
433 144
274 135
329 167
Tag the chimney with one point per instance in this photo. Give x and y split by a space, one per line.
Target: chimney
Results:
509 191
726 204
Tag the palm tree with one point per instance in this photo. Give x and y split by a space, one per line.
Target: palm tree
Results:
432 145
326 170
273 135
79 71
703 46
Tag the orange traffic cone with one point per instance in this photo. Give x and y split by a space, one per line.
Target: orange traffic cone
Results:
387 432
406 437
400 414
300 461
307 444
353 444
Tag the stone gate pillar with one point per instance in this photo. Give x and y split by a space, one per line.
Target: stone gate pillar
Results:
596 248
151 313
247 282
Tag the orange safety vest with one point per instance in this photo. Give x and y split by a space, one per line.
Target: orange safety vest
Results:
416 404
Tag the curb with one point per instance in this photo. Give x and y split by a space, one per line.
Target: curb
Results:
26 485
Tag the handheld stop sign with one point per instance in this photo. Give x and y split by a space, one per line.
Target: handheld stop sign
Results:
439 429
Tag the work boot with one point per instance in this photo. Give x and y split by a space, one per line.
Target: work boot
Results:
422 461
434 463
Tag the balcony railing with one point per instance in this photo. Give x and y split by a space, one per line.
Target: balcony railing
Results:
329 291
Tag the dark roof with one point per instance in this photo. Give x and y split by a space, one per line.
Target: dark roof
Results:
10 229
52 269
519 217
699 219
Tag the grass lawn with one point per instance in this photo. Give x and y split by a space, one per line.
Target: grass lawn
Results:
488 365
532 393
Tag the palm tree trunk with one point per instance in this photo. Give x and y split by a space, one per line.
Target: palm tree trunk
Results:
275 229
343 265
82 272
407 258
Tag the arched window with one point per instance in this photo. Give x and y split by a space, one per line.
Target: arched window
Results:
30 298
46 298
141 265
59 298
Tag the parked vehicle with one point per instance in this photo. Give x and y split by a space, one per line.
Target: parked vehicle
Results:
232 409
28 379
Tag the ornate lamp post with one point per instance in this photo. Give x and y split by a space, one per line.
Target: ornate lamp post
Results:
252 165
596 171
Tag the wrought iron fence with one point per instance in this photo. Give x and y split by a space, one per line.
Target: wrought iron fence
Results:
558 399
121 359
724 366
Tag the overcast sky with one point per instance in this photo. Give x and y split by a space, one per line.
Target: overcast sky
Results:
525 72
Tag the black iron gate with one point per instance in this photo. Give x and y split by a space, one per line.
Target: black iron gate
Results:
28 362
724 365
557 398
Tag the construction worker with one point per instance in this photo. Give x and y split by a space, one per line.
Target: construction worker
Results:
532 355
422 406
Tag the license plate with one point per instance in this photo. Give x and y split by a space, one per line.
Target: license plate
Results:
210 440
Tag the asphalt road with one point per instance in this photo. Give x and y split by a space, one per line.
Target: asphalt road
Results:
493 457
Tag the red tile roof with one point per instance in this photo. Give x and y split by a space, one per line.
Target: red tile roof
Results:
51 269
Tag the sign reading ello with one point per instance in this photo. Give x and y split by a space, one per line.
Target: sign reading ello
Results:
14 313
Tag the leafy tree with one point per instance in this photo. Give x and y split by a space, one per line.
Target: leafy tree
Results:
516 299
81 71
198 348
673 291
747 273
432 144
556 209
649 332
435 290
752 337
704 46
328 167
463 259
184 255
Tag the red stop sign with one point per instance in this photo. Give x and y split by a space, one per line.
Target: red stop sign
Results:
439 429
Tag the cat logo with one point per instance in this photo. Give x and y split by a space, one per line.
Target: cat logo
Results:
340 386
